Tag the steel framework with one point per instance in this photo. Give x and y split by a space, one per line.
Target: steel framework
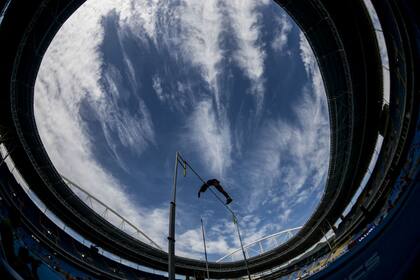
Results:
274 240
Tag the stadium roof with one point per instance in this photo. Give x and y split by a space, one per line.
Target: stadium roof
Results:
343 40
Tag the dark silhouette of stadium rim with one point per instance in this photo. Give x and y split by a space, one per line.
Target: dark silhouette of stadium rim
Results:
343 40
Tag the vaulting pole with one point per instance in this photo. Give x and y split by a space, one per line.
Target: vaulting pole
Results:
171 235
205 248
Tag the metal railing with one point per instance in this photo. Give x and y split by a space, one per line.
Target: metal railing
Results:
274 240
122 223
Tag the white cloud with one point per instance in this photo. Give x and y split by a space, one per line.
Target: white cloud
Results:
63 84
284 217
312 70
141 16
157 86
191 244
211 136
281 34
70 150
201 25
69 78
292 156
250 54
133 130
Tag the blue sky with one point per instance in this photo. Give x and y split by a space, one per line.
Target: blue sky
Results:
232 85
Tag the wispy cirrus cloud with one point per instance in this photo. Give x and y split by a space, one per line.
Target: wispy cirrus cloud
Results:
250 54
291 162
281 34
157 86
64 84
201 26
204 26
210 134
70 150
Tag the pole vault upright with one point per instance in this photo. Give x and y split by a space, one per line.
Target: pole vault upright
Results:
235 221
205 248
171 234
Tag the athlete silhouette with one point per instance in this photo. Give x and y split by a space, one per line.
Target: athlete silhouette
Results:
215 183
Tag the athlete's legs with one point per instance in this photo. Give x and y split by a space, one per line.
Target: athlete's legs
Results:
221 190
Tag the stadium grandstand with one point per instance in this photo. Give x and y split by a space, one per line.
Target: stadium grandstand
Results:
365 227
